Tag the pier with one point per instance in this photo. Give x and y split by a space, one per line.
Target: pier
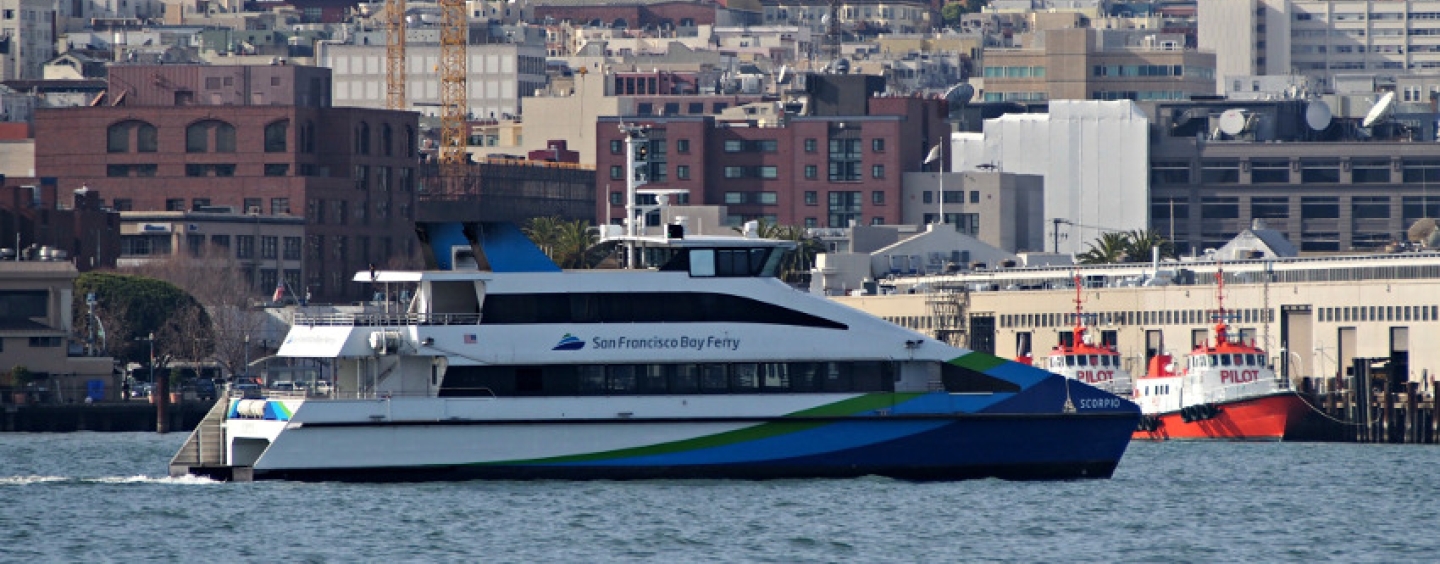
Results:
117 416
1367 407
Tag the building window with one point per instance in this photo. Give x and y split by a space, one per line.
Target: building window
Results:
734 172
877 145
812 198
387 140
682 146
767 145
877 197
1275 171
275 135
767 172
812 172
279 206
734 197
844 207
210 136
292 248
811 223
269 247
1370 171
768 198
244 246
617 199
844 160
362 139
975 197
617 146
734 146
277 169
197 203
877 171
1319 171
810 145
126 204
617 172
175 204
209 170
119 137
682 172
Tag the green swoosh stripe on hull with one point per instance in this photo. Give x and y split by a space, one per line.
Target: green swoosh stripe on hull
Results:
861 404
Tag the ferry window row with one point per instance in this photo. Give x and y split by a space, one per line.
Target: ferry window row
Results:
1380 313
642 307
659 379
1148 317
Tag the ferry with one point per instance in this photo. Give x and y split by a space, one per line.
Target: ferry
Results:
704 365
1082 360
1226 391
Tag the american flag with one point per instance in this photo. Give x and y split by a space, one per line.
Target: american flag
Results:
469 338
279 292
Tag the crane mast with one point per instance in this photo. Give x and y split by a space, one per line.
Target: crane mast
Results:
395 56
453 103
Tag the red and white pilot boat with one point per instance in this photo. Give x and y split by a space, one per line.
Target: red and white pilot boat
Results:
1083 360
1226 391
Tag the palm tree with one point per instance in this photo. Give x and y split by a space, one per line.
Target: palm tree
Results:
1143 242
1109 248
545 232
573 240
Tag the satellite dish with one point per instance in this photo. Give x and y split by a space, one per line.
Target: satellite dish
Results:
1380 110
1232 122
960 94
1317 115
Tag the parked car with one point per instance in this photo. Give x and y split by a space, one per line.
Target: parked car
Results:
282 386
205 389
322 388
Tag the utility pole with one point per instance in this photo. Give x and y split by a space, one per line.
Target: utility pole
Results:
1055 232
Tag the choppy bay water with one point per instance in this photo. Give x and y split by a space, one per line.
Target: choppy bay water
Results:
93 497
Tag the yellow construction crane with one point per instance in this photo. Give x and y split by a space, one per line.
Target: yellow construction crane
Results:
395 55
454 30
453 135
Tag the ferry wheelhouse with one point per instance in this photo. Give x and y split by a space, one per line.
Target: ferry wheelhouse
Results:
1084 361
705 365
1225 390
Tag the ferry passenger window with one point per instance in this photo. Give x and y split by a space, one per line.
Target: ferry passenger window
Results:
622 378
653 378
1239 360
1084 360
1224 360
805 376
592 379
837 377
1094 361
744 377
713 379
775 376
1069 361
685 379
702 262
873 377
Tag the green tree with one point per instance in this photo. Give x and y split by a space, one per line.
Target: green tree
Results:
1109 248
572 244
545 233
1143 242
133 307
951 12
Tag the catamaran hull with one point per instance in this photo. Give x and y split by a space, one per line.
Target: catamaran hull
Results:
1267 418
1019 447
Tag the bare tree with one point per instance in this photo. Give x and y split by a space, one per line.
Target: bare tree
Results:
218 282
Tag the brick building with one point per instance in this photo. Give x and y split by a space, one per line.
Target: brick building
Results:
35 215
256 140
844 162
634 14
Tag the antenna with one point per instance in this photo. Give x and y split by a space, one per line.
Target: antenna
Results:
1380 111
1317 115
1232 122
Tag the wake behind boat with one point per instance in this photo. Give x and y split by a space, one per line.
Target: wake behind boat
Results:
705 366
